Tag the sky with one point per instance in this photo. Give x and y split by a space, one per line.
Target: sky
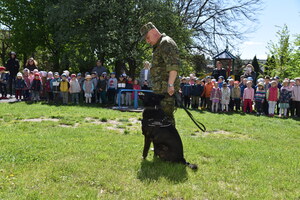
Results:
275 13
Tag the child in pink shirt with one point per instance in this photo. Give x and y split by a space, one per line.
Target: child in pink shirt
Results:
248 97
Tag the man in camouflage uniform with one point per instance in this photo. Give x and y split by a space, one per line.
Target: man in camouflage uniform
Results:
165 66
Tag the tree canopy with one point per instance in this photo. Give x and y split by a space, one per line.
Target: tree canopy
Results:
74 34
283 59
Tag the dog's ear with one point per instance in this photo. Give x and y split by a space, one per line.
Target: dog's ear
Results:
160 96
152 99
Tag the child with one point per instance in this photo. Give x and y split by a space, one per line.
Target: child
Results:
49 93
36 87
121 85
27 80
231 86
225 97
64 86
88 88
74 89
136 86
215 96
4 76
207 91
54 85
284 99
80 81
102 88
186 92
259 97
20 85
112 88
220 81
272 97
267 86
296 96
129 85
197 90
248 97
235 95
95 83
43 76
202 99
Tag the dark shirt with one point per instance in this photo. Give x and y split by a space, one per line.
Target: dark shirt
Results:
197 90
99 70
13 67
219 72
31 67
36 85
102 84
20 84
186 90
129 85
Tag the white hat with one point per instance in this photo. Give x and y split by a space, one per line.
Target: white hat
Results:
19 74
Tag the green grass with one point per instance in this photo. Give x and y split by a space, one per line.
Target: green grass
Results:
95 153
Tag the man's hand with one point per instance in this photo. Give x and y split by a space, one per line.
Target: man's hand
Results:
171 90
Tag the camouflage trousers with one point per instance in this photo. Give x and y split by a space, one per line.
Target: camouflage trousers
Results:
168 106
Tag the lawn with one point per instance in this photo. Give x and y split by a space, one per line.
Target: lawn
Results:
79 152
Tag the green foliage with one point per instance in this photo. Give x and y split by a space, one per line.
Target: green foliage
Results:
283 58
73 34
256 65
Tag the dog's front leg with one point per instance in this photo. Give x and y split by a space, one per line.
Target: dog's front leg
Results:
147 144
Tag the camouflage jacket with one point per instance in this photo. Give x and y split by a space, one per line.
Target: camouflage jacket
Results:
165 58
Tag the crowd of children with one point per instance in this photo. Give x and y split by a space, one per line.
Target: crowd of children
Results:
55 88
267 96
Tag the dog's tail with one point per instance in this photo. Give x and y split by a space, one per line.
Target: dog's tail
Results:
192 166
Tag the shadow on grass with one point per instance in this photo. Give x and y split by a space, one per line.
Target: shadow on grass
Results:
156 169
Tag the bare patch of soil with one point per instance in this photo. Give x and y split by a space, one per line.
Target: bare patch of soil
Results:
69 126
40 120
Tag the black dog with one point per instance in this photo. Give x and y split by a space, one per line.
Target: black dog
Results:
157 128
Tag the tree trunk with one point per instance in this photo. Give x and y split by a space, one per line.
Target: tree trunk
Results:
3 51
119 67
132 67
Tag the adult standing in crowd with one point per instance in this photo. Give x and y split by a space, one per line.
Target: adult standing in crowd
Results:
249 72
13 66
31 64
99 68
165 66
145 75
219 71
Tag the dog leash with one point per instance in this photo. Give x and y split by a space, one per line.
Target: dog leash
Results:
196 122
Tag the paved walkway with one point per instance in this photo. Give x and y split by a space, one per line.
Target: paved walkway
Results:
9 100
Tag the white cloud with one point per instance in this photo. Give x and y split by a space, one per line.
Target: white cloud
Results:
252 43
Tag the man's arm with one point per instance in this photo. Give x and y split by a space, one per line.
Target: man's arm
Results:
172 77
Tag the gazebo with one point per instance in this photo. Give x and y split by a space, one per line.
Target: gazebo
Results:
227 60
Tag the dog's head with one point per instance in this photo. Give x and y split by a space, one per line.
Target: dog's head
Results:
152 99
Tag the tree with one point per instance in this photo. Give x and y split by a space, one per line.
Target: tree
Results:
73 34
295 59
200 63
4 45
214 22
281 53
256 66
